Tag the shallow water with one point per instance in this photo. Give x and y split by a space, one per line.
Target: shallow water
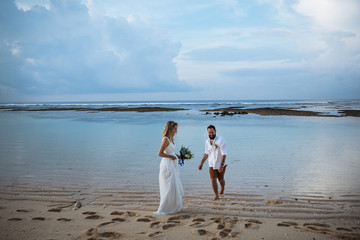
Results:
270 154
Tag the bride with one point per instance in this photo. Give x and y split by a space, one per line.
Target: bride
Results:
171 190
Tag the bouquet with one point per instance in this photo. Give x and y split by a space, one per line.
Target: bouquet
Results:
185 154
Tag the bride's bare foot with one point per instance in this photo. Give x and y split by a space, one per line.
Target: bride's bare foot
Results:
216 198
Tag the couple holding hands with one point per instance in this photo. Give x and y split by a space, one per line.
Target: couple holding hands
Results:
171 189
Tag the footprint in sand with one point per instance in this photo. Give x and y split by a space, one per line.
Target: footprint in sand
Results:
14 219
202 223
221 226
90 232
117 213
197 221
316 224
22 210
145 219
319 227
167 226
154 224
251 223
55 210
248 225
64 219
130 214
93 217
195 224
199 232
173 221
104 224
225 233
176 219
344 229
114 235
118 220
217 220
154 234
180 217
287 224
254 221
38 218
89 213
202 232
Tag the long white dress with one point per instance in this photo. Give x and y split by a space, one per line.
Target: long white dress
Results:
171 189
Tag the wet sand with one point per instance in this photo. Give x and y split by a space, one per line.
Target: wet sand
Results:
72 212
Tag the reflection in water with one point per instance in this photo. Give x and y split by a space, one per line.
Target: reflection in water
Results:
267 154
333 164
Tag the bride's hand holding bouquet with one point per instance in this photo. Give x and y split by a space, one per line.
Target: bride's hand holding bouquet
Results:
185 154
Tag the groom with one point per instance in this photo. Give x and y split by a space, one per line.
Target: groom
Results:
215 151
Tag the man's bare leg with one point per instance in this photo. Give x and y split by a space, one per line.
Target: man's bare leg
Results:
215 188
222 184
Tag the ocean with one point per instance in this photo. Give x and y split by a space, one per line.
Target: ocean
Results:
274 155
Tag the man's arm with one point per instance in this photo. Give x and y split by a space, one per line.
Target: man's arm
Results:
223 150
203 160
221 168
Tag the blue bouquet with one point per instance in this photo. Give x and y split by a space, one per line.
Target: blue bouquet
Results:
185 154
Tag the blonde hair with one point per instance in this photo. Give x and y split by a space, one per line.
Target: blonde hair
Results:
168 129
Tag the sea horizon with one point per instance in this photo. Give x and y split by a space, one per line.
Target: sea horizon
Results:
181 100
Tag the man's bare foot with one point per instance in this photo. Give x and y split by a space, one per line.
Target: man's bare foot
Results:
216 198
222 192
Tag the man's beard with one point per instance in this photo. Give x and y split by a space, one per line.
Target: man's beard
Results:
212 137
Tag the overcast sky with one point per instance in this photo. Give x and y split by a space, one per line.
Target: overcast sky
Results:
73 50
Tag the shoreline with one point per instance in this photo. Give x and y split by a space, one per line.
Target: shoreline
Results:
44 212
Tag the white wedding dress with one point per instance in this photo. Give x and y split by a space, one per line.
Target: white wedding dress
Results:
171 189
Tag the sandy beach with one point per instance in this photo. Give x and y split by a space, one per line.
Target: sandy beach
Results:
44 212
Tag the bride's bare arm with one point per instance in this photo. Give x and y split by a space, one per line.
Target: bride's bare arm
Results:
163 146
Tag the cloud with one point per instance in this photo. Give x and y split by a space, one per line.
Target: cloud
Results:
61 49
226 53
335 25
331 14
298 48
95 46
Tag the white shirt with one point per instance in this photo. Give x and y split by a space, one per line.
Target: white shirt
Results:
215 151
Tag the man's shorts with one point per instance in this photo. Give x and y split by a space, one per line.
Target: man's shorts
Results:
215 173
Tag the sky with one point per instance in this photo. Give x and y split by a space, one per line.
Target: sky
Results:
135 50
